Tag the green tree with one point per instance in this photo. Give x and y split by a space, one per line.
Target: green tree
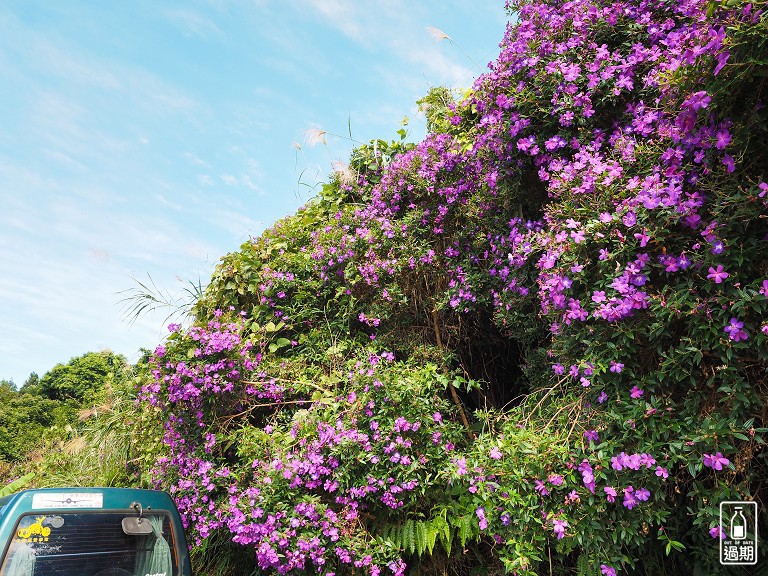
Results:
31 384
24 420
83 377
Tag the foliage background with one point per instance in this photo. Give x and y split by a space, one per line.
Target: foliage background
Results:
534 342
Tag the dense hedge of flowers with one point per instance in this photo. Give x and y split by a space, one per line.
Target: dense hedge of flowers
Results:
601 198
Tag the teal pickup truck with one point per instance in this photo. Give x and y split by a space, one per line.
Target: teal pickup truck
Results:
91 532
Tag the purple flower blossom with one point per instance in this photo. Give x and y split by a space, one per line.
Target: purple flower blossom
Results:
482 520
717 274
598 296
642 494
559 527
735 331
555 479
723 138
610 493
716 461
717 532
636 392
606 570
629 219
698 100
630 499
591 436
616 366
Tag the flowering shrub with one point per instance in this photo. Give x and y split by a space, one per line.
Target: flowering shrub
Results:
576 252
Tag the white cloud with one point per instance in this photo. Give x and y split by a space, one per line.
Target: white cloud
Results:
229 180
196 160
346 15
193 24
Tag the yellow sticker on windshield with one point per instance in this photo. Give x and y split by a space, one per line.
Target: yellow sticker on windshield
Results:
36 532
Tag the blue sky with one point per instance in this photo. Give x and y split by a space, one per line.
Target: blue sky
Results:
147 139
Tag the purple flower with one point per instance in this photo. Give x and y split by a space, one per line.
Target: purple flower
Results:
602 397
716 462
606 570
717 247
554 143
591 436
636 392
723 139
629 219
559 528
734 330
642 494
662 472
599 296
616 366
764 288
610 493
717 274
729 163
495 453
630 500
482 520
697 101
555 479
717 532
587 475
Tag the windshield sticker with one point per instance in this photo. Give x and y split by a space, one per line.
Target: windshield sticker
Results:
68 500
36 532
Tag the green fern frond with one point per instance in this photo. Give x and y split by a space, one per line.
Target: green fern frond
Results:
409 538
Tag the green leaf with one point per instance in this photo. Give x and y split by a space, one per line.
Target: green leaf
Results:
16 485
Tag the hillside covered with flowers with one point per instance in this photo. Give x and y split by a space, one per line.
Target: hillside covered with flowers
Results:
535 342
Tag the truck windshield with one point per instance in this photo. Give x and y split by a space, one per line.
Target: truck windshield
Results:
89 544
